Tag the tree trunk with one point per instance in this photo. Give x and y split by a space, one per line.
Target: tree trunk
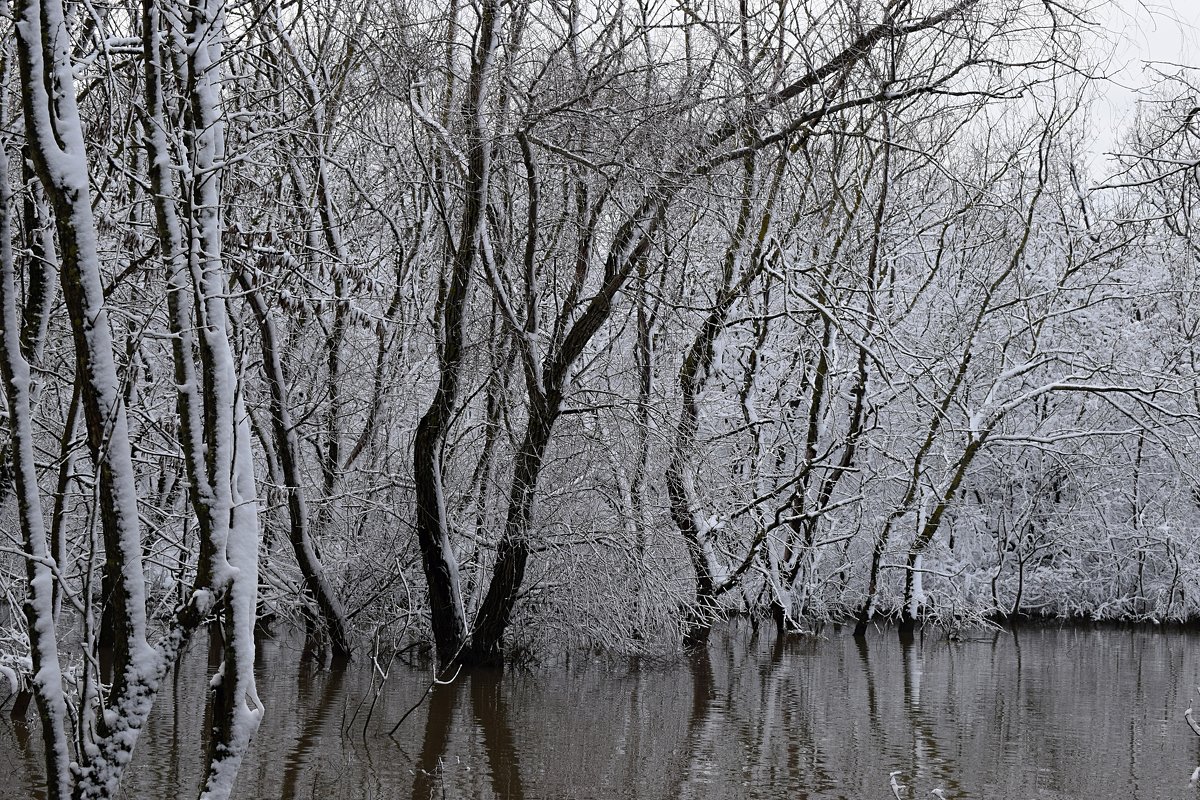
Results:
40 600
56 145
288 450
447 616
487 642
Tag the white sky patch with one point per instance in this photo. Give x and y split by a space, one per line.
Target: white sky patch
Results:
1143 39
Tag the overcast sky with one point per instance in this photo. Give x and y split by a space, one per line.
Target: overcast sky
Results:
1161 31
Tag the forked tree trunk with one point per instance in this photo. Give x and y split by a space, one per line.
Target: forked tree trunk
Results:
447 615
546 378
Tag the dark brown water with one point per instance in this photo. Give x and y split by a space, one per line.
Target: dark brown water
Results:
1042 713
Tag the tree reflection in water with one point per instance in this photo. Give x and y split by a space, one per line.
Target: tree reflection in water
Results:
1039 712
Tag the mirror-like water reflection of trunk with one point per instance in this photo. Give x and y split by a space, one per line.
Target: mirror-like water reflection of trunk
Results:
427 773
701 721
928 765
490 711
864 657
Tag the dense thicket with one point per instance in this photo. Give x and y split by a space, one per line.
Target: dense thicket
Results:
514 326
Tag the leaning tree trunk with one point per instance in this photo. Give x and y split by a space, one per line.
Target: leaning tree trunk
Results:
287 447
512 556
713 578
40 601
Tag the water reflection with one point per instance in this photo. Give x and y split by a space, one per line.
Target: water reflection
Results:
428 773
490 712
317 695
1008 715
